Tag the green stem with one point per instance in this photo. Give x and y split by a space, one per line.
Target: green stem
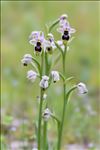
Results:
38 65
62 121
45 136
53 25
40 107
64 103
45 145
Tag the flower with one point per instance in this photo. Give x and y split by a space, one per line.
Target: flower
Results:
45 77
63 17
26 59
65 29
82 88
46 114
31 75
36 38
55 76
44 82
49 44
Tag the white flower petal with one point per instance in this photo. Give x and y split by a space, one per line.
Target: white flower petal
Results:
46 114
31 75
44 82
50 36
60 29
33 42
45 77
64 16
55 76
27 58
82 88
60 42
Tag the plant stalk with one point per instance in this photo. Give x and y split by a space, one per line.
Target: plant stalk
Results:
45 136
40 107
64 102
45 144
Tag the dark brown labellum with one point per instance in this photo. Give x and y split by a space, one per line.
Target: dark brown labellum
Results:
25 64
38 48
65 37
38 43
66 32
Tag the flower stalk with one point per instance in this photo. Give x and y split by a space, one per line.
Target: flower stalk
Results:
40 107
53 25
45 142
64 101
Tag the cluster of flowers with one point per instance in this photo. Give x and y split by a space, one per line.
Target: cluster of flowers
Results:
48 45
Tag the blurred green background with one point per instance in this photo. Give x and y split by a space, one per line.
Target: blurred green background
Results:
19 96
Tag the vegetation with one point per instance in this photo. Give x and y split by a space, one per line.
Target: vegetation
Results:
19 97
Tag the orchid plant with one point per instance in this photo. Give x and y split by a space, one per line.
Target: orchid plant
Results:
44 46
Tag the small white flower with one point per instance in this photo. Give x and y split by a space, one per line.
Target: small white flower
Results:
44 82
50 37
46 114
46 78
31 75
49 44
82 88
27 58
55 76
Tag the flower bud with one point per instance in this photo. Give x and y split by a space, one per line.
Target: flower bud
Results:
82 88
31 75
44 82
46 114
55 76
26 59
64 16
